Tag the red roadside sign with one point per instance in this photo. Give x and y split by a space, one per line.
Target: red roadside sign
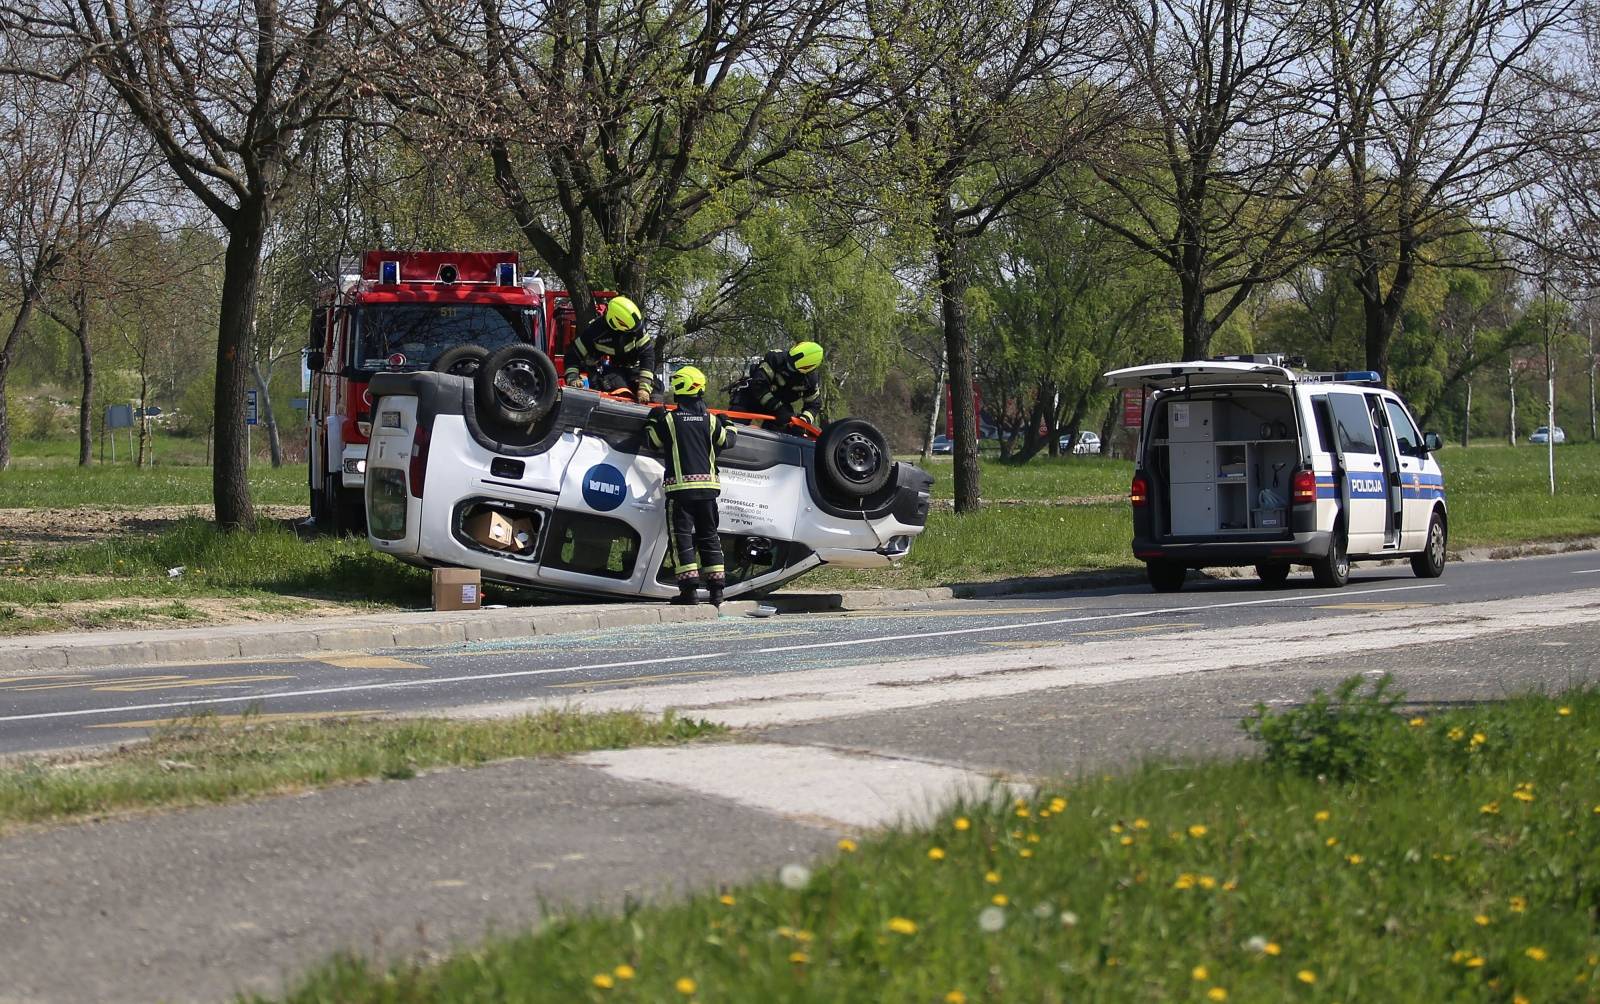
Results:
1132 407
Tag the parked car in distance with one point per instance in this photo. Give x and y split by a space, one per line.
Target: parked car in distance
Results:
1088 442
942 444
1552 434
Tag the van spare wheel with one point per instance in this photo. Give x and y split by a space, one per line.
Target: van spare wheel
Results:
463 360
516 385
853 459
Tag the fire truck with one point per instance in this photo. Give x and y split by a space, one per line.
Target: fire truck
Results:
405 312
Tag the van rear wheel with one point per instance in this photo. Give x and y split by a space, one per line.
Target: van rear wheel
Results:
1165 576
1273 574
1334 570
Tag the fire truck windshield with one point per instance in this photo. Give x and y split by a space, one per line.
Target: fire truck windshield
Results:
412 335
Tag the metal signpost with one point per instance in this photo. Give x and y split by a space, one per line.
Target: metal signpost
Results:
119 416
251 418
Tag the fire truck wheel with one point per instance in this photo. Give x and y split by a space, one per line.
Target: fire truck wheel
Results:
516 385
463 360
853 459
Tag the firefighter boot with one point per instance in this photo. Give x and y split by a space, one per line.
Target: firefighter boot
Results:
714 585
688 591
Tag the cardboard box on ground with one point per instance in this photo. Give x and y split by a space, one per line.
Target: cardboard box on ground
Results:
457 589
501 530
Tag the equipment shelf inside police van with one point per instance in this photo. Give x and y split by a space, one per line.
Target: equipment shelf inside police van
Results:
1226 458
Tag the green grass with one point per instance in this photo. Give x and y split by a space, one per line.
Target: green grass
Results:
60 486
1243 881
211 759
1042 479
1501 494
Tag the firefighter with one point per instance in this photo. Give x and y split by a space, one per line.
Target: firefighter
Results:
783 385
620 334
690 435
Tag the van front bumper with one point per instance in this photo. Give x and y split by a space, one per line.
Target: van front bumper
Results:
1300 548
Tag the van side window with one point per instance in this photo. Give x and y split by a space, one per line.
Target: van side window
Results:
1324 423
1405 433
1352 423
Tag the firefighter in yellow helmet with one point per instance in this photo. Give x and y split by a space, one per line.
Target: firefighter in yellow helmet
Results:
690 436
784 385
620 334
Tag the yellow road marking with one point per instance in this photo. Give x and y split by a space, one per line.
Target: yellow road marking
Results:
1370 606
367 662
43 676
637 679
180 683
1140 628
998 612
94 683
286 716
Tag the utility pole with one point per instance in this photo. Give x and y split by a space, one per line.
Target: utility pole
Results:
1511 395
1549 388
1592 358
1466 413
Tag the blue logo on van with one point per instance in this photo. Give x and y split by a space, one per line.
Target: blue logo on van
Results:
604 488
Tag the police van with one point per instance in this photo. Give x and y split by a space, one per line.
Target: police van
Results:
1244 461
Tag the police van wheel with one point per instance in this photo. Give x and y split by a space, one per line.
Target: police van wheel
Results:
1430 563
853 459
1273 574
516 385
1334 570
463 360
1164 576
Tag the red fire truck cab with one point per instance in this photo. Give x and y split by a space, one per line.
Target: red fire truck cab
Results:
398 312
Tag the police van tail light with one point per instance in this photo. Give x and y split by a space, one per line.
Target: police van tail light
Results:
1304 490
419 458
1139 491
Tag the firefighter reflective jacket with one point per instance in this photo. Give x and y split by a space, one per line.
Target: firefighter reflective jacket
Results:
631 351
690 436
777 388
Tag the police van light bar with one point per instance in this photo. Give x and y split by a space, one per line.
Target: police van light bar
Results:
1349 376
506 274
389 273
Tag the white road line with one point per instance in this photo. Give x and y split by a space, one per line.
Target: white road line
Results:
398 684
388 685
1586 571
1089 619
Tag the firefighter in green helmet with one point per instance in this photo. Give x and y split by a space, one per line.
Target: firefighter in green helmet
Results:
690 436
784 385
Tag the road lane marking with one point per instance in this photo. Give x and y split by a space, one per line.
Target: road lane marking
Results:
1371 606
358 687
1017 626
363 661
1586 571
1172 626
90 683
908 614
617 680
1052 643
287 716
183 683
42 676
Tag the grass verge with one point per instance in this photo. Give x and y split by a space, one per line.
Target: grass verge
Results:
121 486
1460 861
216 759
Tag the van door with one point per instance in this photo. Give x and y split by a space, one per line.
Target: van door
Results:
1417 503
1393 514
1364 487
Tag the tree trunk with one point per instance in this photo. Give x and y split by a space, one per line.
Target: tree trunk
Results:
1466 418
1196 325
933 413
140 420
274 443
958 351
86 397
19 324
241 275
1592 360
1511 396
1108 426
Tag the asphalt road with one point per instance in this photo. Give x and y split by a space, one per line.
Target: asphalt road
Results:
49 711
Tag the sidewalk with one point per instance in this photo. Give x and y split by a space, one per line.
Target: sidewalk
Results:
194 905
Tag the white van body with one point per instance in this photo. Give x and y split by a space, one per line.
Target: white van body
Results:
1244 461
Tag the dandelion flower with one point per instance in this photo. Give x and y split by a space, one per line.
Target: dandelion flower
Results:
1197 831
993 878
1069 919
1519 999
1457 734
1354 859
1141 824
1199 973
955 997
1563 711
1537 954
794 876
726 900
1478 739
963 823
1475 962
1306 976
991 919
686 986
1322 815
1273 948
1126 841
1490 808
1522 795
623 972
1026 852
1207 882
1217 994
999 899
1417 722
1481 919
804 936
902 925
1058 805
936 854
847 845
799 958
1116 827
1331 842
1185 881
1518 904
1022 812
604 981
1033 838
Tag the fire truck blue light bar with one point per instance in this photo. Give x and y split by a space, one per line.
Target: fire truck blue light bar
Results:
508 273
390 273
